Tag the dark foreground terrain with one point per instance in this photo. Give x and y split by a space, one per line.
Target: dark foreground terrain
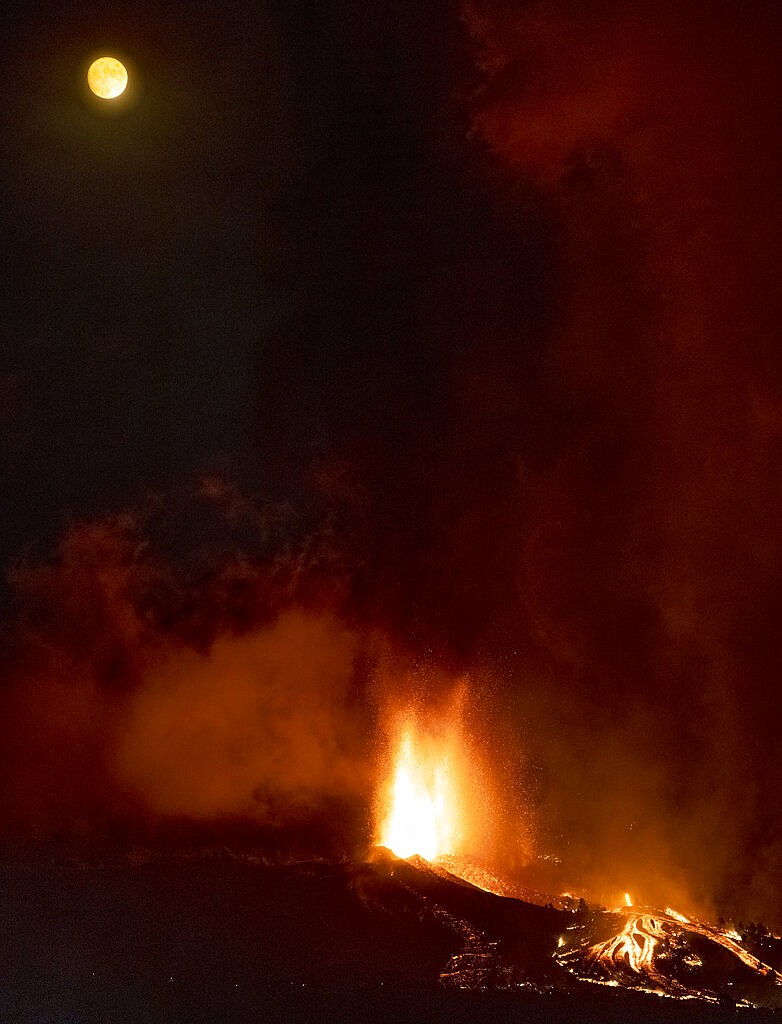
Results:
214 939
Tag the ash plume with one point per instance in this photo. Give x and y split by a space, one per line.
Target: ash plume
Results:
133 693
646 563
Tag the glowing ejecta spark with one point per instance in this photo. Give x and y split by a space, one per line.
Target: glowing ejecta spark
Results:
628 901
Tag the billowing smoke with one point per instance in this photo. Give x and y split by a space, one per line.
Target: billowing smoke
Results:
647 541
256 719
150 700
132 694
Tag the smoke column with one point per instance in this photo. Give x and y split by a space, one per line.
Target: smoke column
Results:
646 553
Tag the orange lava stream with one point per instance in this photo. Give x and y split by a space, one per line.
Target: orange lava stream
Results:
634 945
731 945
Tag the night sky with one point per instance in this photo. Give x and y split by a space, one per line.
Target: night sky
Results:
363 347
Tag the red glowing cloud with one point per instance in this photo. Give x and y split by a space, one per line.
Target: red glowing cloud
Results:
256 718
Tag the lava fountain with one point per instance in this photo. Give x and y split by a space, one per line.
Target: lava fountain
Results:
433 799
422 813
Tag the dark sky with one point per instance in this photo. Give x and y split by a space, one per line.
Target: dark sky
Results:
455 326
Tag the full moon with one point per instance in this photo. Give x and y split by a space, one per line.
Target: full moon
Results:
107 77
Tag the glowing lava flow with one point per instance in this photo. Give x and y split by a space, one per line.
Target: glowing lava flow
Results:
644 947
726 940
634 945
676 915
634 951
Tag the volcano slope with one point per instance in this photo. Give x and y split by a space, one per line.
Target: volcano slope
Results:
220 938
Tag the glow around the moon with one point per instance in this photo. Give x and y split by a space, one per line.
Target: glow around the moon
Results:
107 77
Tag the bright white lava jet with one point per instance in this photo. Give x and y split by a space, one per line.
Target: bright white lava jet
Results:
421 812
